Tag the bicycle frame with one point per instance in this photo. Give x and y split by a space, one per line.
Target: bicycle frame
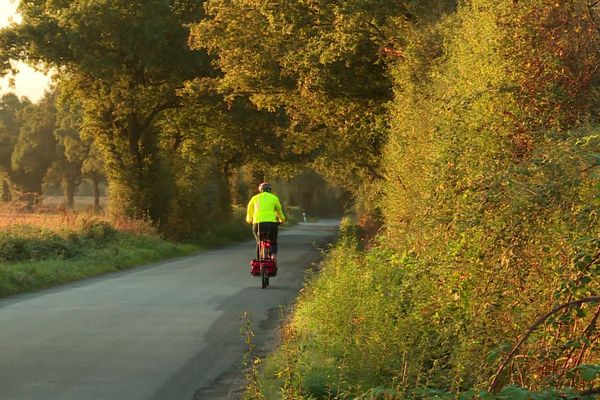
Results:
267 267
264 250
264 265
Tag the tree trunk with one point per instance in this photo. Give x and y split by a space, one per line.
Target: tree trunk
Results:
138 180
307 199
69 194
96 184
255 177
4 192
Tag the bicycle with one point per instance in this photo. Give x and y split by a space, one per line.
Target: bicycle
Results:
264 265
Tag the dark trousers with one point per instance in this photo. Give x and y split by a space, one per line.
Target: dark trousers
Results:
268 231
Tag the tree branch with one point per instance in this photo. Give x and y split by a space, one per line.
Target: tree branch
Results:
591 392
588 331
532 328
590 9
157 110
588 168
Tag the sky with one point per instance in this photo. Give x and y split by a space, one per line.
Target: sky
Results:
28 82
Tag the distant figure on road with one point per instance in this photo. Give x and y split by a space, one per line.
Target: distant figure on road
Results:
265 214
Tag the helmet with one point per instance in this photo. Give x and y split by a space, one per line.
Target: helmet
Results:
264 187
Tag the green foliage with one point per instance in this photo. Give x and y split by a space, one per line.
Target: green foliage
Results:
491 178
202 157
313 194
233 229
42 145
33 244
375 325
320 62
114 60
26 144
490 207
10 109
509 392
77 157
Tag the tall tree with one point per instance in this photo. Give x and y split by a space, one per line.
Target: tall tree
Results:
34 150
93 169
323 62
208 141
125 61
10 110
72 149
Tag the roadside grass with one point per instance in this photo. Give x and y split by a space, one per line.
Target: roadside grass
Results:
371 325
322 352
123 250
42 250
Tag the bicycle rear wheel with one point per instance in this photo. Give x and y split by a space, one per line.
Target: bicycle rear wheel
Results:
264 276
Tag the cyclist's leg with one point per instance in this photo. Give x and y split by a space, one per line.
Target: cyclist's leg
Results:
255 230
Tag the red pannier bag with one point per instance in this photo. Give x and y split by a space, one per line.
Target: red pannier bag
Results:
270 265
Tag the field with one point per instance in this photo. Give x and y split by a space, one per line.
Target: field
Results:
82 203
51 215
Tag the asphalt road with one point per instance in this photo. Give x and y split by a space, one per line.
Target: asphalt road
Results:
158 332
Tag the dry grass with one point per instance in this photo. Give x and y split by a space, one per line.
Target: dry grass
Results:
82 203
13 214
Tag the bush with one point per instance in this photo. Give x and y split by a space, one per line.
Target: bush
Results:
490 204
29 243
98 231
293 215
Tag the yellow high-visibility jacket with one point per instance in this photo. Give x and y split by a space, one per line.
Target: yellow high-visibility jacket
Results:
264 207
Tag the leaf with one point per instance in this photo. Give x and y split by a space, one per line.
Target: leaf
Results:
514 393
589 372
585 280
468 395
381 390
493 355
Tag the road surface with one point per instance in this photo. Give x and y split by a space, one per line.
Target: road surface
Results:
158 332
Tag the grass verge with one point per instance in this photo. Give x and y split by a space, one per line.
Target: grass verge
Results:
36 257
122 251
373 325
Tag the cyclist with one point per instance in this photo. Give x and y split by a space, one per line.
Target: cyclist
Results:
265 214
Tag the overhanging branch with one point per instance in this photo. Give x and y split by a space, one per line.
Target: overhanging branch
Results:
532 328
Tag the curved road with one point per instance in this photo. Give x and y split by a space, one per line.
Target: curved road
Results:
158 332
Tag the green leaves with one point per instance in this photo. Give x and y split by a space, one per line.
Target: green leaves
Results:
124 62
499 351
514 393
589 372
488 182
319 61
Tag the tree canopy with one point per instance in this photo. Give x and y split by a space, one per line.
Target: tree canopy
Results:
124 62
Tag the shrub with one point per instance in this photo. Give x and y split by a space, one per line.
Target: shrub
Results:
98 231
28 243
